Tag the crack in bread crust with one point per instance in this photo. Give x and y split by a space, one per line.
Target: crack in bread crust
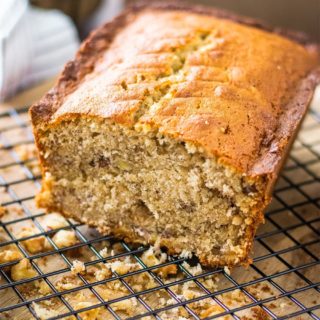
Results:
166 81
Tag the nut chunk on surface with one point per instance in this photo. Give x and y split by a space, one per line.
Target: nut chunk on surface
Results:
65 238
53 221
179 137
22 270
9 253
35 244
77 267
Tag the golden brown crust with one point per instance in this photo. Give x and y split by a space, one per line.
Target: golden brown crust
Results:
75 70
247 123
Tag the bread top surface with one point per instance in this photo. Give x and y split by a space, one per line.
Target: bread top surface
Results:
236 91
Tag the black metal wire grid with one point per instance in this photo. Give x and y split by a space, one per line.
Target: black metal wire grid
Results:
287 247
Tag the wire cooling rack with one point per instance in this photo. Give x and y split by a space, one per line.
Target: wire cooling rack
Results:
283 282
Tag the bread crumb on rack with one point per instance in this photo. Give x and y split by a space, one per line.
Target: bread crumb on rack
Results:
127 305
196 270
9 255
42 312
91 314
22 270
138 282
3 211
102 273
35 244
28 153
68 282
53 221
211 311
122 266
185 254
65 238
227 270
104 252
153 257
78 267
42 287
113 289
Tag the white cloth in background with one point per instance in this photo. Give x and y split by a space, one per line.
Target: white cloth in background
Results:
34 44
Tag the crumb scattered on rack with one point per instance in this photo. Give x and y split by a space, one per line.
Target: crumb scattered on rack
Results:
65 238
77 267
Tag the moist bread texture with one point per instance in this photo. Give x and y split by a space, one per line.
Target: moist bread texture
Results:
171 125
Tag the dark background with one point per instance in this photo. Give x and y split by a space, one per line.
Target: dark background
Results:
302 15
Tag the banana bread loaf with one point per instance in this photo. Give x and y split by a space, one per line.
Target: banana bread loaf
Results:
171 125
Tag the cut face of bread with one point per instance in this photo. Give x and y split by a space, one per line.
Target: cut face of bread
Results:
148 188
170 127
